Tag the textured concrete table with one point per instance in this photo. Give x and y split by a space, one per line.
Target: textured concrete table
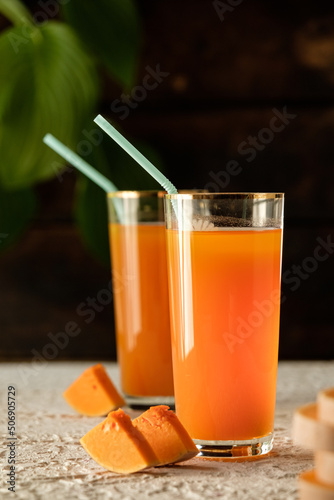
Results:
51 464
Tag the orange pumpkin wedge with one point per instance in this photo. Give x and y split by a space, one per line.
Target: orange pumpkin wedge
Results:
119 446
309 432
163 430
310 488
93 393
325 402
324 466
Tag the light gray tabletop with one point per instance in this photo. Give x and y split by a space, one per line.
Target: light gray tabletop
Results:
51 464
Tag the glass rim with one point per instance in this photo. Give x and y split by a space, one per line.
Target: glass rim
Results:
222 196
136 194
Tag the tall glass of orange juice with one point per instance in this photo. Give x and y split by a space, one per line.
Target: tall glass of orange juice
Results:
139 275
224 267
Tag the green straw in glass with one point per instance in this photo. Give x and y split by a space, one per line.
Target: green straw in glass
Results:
79 163
135 154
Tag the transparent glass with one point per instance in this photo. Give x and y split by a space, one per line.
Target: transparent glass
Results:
139 273
224 265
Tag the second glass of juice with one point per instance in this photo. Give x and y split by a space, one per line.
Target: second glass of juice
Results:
224 259
139 275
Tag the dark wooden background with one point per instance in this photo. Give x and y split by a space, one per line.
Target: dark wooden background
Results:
225 78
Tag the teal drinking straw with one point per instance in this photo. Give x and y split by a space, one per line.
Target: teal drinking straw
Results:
79 163
135 154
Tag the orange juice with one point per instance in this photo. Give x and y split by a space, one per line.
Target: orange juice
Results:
225 298
139 269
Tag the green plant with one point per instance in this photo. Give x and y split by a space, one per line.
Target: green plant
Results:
50 82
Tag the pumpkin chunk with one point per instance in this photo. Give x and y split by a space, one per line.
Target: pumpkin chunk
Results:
310 488
167 436
313 427
325 402
119 446
93 393
324 467
309 432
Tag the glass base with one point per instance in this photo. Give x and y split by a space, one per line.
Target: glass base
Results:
145 402
235 449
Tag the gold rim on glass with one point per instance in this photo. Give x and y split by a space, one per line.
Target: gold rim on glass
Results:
221 196
136 194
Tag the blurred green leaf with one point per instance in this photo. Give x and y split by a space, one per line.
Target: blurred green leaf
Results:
16 210
91 205
15 11
47 84
111 28
92 219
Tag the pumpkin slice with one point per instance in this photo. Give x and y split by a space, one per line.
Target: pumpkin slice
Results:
310 488
325 402
309 432
163 430
119 446
324 466
93 393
